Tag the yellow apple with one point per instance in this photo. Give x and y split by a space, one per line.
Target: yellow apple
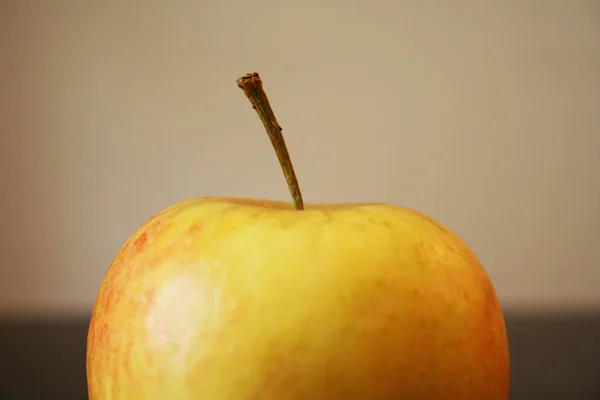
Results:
243 299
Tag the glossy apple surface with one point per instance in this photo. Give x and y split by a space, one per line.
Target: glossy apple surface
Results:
240 299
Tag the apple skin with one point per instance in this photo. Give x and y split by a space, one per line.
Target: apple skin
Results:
242 299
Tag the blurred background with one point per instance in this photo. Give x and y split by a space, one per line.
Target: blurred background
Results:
483 114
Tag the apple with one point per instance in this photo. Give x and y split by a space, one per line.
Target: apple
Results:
219 298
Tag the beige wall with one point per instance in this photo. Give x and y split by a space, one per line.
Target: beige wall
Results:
484 114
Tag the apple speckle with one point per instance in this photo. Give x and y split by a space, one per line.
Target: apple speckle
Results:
140 242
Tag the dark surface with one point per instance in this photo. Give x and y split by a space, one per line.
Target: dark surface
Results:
552 358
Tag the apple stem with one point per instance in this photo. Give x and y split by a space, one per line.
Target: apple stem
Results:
251 84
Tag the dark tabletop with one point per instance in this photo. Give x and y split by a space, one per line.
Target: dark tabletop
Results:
552 357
